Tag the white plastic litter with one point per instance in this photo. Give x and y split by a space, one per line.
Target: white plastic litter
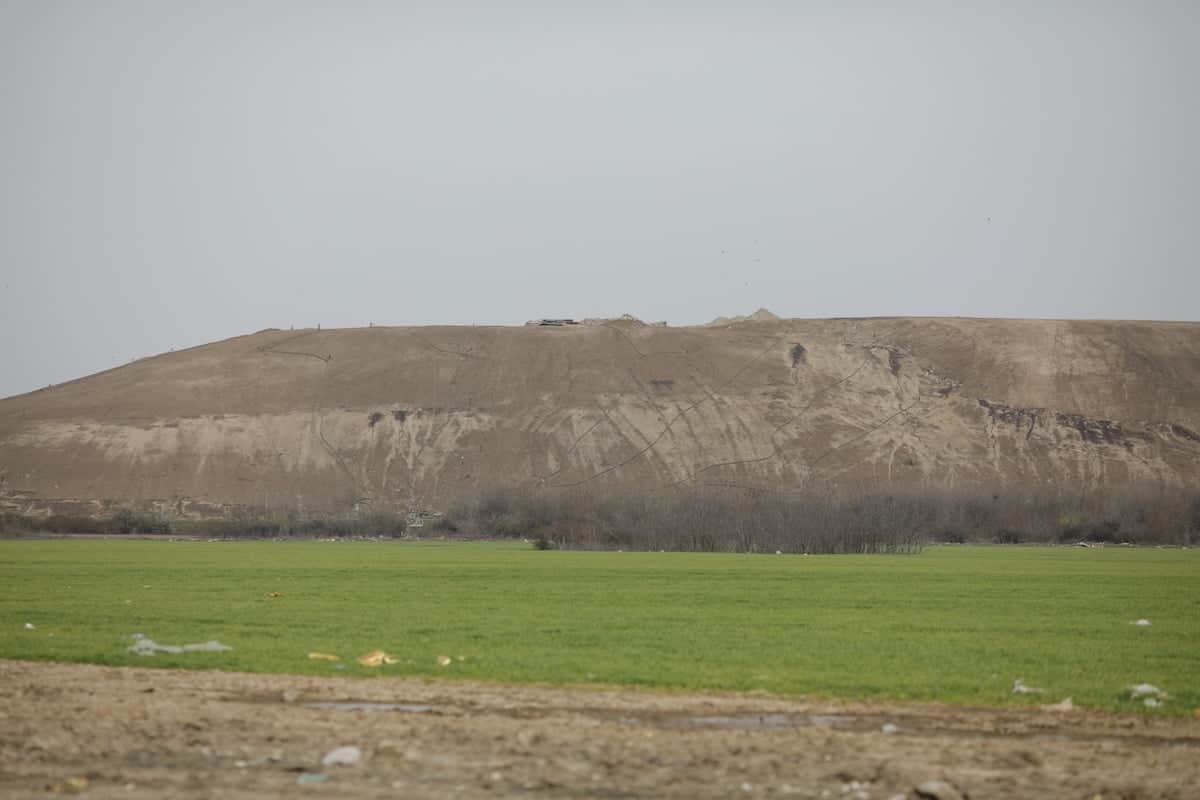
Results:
1146 690
1140 622
1152 702
890 728
311 777
346 756
1019 687
145 646
28 626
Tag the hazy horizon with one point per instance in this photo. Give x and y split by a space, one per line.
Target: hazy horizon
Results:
177 174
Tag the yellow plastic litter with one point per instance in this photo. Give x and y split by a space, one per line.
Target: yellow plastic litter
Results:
273 595
375 658
443 661
315 656
70 786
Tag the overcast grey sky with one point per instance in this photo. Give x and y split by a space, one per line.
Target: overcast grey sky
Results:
175 173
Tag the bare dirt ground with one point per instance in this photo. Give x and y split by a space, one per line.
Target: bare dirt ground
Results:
132 733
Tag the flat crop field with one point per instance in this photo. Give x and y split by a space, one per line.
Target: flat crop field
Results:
952 624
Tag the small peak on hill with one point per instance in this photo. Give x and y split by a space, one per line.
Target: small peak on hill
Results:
624 321
762 315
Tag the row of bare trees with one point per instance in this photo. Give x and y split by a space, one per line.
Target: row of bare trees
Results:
828 520
845 520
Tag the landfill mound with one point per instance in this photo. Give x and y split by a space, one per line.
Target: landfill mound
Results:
414 417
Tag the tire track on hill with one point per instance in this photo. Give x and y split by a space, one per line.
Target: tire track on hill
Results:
318 410
541 479
667 427
883 423
273 349
777 450
443 350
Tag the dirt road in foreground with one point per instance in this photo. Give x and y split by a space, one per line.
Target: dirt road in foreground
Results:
144 733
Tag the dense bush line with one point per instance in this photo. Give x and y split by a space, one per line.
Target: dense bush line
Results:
248 524
695 521
123 520
830 521
720 520
245 524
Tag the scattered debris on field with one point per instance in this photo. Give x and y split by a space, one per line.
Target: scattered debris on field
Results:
376 658
857 790
939 790
346 756
1019 687
311 777
444 661
316 656
409 708
145 646
29 626
1062 705
74 785
1142 622
1146 690
890 728
273 595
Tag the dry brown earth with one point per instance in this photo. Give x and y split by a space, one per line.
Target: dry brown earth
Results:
144 733
410 417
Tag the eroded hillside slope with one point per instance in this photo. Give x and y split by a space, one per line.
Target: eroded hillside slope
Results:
411 417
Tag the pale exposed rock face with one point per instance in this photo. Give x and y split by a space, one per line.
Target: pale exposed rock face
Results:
418 415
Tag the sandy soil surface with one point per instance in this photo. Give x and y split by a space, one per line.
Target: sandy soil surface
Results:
132 733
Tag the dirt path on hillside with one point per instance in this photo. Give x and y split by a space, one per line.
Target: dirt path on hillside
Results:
109 732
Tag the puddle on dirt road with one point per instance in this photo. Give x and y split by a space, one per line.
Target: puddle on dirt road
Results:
866 723
744 722
1049 730
409 708
747 722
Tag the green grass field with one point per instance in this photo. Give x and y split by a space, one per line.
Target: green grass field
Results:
957 624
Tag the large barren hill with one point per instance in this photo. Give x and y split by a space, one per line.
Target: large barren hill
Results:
412 417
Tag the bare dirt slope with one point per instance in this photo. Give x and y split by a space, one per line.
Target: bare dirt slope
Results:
131 733
414 416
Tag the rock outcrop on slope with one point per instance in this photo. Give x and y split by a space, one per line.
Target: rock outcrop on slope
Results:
412 417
